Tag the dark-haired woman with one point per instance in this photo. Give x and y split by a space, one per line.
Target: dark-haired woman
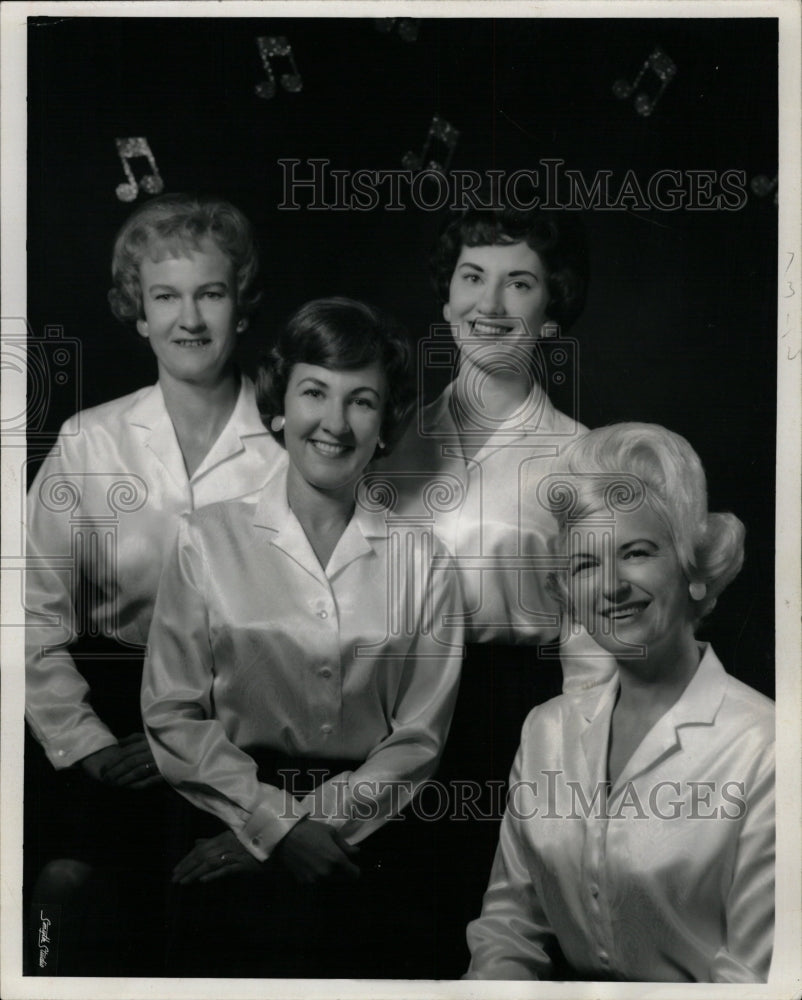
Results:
102 512
301 677
507 279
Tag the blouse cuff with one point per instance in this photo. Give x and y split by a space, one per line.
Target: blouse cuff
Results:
269 824
64 751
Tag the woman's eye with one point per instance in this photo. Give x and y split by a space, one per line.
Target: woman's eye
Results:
314 393
163 297
637 554
213 295
365 402
471 278
521 286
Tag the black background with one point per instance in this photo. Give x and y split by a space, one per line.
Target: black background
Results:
680 325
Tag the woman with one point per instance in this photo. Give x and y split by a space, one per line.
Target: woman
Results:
638 842
102 512
300 678
510 283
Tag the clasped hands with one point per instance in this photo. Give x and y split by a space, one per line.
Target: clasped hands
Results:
312 851
127 764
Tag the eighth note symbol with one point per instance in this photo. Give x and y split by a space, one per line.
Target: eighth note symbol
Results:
663 67
274 47
439 131
128 149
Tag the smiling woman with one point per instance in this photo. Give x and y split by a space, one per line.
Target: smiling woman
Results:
629 890
276 650
102 513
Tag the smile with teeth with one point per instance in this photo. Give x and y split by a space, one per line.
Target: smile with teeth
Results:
195 342
625 612
329 449
492 327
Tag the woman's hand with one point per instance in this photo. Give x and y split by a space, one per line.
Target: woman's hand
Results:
214 857
127 764
315 852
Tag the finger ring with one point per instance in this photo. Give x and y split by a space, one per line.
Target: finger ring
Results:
224 858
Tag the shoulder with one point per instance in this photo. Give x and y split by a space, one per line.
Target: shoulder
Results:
101 418
748 711
216 519
551 719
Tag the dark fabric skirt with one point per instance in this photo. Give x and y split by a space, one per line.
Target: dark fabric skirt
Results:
123 835
499 687
264 924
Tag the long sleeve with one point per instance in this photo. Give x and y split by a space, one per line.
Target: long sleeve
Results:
57 704
510 937
359 802
190 746
750 898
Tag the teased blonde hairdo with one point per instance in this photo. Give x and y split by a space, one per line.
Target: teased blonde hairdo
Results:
710 547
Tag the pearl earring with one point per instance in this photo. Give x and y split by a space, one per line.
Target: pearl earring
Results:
242 325
277 424
697 590
381 444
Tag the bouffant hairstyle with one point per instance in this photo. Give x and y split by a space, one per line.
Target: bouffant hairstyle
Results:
169 226
558 238
343 335
599 468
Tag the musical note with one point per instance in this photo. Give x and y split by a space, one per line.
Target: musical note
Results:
277 47
440 131
663 67
128 149
762 186
407 28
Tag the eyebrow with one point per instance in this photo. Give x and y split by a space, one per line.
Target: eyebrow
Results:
510 274
171 288
325 385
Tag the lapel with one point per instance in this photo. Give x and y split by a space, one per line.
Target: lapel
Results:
698 705
150 414
285 532
244 422
595 709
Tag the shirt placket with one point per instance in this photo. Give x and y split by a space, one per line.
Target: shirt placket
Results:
328 668
595 890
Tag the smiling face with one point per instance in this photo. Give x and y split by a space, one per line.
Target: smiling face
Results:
627 586
332 423
190 307
497 302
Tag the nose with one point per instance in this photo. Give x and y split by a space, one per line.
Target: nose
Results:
615 585
491 301
191 319
335 418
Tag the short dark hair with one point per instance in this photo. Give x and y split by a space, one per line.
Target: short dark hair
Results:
340 334
176 223
558 238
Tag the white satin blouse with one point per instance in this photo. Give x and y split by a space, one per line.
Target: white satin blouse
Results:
486 510
254 644
674 880
102 514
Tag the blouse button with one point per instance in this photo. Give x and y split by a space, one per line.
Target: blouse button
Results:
323 613
326 728
594 891
325 672
256 841
61 753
